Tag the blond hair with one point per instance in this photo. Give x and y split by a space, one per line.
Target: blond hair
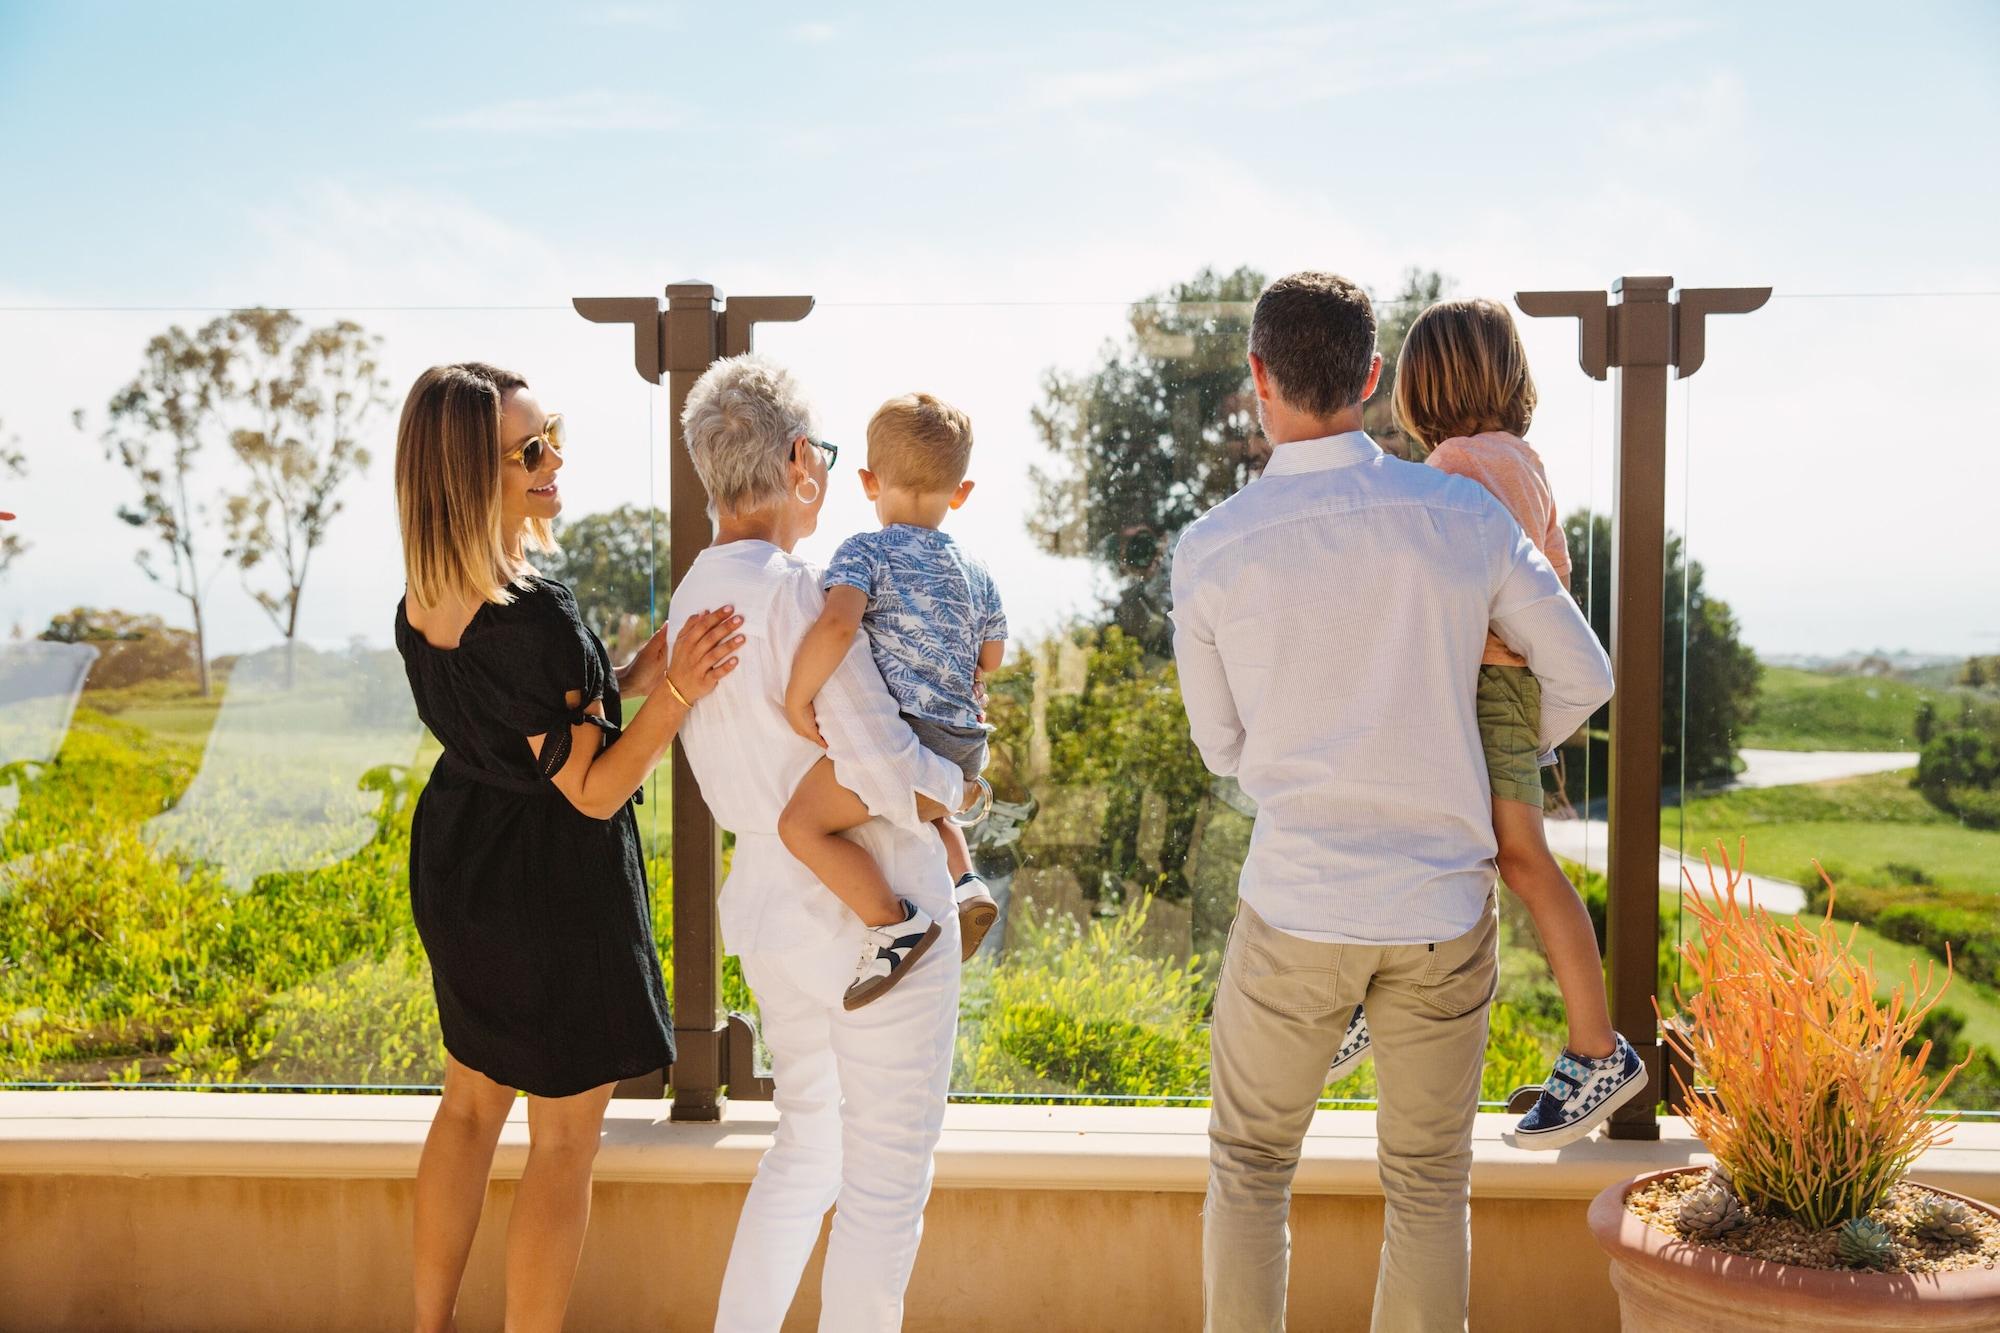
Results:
919 442
448 460
1462 371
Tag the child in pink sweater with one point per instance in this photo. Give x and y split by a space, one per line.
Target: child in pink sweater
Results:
1464 393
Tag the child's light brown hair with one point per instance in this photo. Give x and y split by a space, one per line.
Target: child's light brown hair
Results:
448 461
1463 371
919 442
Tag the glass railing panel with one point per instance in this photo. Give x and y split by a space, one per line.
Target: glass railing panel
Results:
1841 656
205 840
1102 431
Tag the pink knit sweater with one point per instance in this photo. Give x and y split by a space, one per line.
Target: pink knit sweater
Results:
1505 465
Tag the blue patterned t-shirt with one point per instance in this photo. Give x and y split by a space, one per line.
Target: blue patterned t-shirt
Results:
930 606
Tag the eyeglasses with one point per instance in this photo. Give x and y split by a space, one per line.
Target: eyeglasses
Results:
534 451
832 450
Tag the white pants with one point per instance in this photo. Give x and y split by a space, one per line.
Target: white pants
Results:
860 1098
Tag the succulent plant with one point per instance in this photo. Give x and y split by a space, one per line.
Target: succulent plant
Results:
1718 1176
1865 1243
1709 1212
1939 1218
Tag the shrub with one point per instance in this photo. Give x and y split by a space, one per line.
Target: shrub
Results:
1081 1010
1811 1101
367 1022
132 649
1961 922
1957 773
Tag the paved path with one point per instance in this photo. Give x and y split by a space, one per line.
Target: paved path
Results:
1584 840
1788 768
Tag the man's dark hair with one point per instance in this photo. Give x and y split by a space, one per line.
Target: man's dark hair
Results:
1315 334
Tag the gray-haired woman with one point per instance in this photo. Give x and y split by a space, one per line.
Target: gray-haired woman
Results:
860 1093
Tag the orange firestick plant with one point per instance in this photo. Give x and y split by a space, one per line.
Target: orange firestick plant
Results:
1805 1091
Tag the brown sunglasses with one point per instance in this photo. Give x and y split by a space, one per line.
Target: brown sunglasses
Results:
534 451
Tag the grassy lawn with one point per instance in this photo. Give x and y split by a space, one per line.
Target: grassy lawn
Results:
1980 1004
1810 710
1870 831
188 719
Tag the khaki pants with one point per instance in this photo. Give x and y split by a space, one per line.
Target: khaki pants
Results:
1280 1012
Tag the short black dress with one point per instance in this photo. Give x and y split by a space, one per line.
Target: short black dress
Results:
536 918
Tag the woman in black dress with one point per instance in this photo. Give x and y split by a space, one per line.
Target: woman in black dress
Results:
526 878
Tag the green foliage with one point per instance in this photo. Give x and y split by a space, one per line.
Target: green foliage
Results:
607 561
1160 432
1963 921
1082 1010
1164 429
1874 831
1957 773
1978 1080
1717 677
1874 798
368 1022
1085 1012
1126 734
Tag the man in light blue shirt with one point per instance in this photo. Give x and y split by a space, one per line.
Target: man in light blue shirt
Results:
1329 621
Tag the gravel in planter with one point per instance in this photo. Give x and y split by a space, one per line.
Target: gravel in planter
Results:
1782 1240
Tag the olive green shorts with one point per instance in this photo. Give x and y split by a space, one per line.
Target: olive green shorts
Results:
1510 724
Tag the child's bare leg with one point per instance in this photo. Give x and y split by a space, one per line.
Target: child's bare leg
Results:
819 812
956 854
1561 919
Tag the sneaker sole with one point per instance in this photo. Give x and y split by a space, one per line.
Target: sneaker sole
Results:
867 993
975 917
1568 1134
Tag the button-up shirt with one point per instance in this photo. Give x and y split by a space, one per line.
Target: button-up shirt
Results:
1329 620
748 759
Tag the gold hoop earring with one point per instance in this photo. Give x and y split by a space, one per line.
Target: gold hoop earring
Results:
803 483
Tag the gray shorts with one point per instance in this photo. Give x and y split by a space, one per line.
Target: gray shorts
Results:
964 746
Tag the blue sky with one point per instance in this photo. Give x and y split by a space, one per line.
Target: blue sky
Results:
1075 156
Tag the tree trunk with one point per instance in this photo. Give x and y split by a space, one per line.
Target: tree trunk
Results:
200 646
292 642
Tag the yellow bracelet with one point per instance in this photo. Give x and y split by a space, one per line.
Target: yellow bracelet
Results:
685 701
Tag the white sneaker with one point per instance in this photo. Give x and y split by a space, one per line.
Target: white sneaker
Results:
888 953
976 913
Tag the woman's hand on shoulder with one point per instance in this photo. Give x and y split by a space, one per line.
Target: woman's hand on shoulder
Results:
704 652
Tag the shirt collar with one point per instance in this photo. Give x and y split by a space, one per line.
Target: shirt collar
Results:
1322 454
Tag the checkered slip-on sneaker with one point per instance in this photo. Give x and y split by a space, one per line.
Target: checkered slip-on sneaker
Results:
1579 1096
888 954
1353 1047
976 913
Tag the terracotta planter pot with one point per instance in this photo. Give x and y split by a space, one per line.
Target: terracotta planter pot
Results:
1668 1285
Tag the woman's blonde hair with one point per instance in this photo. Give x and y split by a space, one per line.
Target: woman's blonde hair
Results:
1462 371
448 459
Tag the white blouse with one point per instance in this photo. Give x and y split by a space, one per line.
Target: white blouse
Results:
748 759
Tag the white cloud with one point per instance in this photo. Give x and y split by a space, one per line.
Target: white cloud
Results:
812 34
591 110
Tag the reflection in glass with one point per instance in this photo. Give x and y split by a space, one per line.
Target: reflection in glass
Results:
294 775
39 685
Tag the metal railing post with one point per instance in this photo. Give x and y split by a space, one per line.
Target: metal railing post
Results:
681 340
1640 336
